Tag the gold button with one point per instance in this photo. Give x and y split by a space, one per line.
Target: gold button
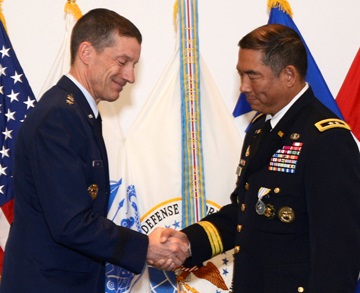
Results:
277 190
236 249
301 289
243 207
247 186
239 228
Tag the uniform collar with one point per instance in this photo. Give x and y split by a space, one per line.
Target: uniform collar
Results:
276 118
87 95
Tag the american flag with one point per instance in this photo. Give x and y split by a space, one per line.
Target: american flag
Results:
16 99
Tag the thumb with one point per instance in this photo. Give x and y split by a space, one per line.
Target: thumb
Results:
166 234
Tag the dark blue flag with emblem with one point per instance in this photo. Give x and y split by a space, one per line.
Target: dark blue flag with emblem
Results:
280 13
16 99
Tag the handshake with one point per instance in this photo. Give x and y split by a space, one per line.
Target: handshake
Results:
167 249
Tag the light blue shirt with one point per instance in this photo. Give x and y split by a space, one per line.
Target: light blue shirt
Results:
87 95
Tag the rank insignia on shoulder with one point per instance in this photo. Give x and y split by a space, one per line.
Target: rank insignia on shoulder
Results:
93 190
327 124
70 99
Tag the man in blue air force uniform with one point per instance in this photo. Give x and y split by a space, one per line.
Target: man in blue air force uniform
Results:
294 217
60 239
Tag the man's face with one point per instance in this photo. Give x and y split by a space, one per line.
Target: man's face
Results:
264 92
110 70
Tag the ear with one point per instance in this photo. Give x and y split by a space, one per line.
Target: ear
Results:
290 75
85 52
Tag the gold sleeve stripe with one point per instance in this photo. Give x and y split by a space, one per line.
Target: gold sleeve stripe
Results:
326 124
213 236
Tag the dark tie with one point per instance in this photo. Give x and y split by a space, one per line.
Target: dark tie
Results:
98 124
256 139
266 127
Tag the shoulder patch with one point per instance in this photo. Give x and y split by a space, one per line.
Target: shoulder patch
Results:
327 124
257 117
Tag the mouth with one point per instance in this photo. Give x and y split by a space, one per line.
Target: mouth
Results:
250 98
119 86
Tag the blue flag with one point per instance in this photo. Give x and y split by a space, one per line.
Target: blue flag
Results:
16 99
313 76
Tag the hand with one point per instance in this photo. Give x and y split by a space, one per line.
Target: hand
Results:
167 249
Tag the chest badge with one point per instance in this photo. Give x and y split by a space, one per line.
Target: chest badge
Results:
93 191
286 215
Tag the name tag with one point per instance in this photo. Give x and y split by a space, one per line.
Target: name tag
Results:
97 163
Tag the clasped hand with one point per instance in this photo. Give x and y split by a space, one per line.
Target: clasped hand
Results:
167 249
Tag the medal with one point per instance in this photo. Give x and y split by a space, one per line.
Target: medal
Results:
260 205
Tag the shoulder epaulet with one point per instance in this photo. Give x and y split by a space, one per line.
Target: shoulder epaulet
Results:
327 124
257 117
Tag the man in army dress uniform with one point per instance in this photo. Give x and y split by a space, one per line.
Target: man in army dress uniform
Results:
294 216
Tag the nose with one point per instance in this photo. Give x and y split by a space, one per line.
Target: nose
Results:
245 86
129 74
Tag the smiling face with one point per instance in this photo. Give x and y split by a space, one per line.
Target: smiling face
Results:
264 91
109 70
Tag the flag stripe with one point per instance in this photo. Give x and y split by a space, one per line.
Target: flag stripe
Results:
348 97
193 187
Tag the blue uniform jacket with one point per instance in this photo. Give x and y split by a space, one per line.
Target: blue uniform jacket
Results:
60 238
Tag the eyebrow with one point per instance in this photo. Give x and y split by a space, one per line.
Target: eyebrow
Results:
249 72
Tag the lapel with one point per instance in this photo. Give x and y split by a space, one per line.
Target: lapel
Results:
85 111
274 140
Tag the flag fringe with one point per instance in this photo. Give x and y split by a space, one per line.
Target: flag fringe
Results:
283 5
72 8
2 17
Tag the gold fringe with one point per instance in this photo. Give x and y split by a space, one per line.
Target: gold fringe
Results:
2 17
72 8
176 14
282 4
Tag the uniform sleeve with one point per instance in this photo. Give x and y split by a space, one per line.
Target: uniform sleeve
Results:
332 182
211 236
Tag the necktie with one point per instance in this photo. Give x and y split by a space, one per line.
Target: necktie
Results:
98 124
266 127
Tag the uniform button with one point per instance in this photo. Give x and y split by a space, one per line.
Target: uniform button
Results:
243 207
236 249
239 228
247 186
301 289
277 190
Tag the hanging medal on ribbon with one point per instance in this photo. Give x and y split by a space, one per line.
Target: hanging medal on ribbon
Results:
260 205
